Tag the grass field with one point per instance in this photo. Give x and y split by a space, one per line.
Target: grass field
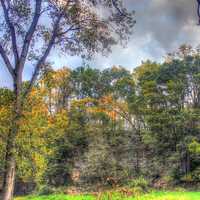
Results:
152 196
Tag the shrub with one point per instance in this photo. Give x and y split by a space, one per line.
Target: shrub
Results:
99 164
187 178
180 189
45 190
196 174
140 182
137 191
176 175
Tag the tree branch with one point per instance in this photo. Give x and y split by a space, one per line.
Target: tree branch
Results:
47 51
29 35
43 58
71 28
12 31
7 61
114 2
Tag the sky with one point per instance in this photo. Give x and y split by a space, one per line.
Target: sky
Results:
161 27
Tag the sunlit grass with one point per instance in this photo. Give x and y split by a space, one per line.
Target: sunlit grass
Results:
152 196
170 196
56 197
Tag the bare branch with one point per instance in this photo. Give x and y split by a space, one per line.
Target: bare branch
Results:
7 61
12 31
29 34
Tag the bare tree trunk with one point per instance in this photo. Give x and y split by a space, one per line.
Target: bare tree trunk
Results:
137 167
10 162
10 179
187 162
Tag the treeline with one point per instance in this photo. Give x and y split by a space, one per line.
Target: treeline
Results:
90 127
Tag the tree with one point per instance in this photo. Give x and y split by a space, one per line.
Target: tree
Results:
170 96
58 86
86 82
32 29
6 99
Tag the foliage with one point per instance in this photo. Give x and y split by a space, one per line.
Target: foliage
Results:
90 128
140 182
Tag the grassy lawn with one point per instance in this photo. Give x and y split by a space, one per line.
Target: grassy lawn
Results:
153 196
56 197
170 196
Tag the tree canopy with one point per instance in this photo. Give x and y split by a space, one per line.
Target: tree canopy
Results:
89 128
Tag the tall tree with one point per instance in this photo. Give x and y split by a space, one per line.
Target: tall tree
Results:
32 29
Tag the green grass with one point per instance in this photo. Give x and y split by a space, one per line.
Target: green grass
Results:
56 197
170 196
152 196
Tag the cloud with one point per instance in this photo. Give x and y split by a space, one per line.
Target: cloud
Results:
170 23
162 26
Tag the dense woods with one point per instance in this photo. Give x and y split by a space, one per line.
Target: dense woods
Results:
82 129
93 128
31 30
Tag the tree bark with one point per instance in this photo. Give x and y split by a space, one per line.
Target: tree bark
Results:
10 179
185 163
10 161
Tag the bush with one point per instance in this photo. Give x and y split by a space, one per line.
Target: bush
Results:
99 164
45 190
195 175
180 189
176 175
140 182
137 191
187 178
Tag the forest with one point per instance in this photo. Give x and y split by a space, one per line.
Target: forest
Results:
88 129
92 105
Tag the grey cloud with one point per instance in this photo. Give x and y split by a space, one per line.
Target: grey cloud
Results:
162 26
169 22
